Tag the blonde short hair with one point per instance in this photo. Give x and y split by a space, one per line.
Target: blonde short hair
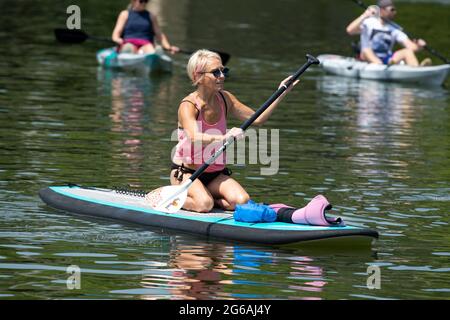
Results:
198 62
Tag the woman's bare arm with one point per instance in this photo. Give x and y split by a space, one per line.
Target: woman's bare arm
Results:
120 25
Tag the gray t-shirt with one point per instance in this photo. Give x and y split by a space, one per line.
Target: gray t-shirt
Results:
381 38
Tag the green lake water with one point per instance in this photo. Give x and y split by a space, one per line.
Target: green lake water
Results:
379 152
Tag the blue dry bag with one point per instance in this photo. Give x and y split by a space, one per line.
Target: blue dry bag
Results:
254 212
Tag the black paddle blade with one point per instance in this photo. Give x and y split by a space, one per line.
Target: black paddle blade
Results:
70 36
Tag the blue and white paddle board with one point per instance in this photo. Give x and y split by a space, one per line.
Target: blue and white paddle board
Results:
219 224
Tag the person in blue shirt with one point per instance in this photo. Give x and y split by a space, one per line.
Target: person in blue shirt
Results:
378 37
137 29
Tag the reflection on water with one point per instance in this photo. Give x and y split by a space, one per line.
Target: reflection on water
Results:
136 102
212 270
199 270
383 117
129 105
378 105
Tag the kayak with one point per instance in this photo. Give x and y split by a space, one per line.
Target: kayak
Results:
131 206
154 62
350 67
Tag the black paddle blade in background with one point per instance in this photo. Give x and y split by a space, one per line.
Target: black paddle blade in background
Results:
79 36
70 36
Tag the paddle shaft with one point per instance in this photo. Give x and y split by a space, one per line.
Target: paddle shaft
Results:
411 36
310 60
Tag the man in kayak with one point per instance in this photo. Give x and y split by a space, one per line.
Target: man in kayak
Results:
202 129
379 37
137 28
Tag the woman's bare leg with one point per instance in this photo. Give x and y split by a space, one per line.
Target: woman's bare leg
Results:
199 199
147 49
128 48
227 192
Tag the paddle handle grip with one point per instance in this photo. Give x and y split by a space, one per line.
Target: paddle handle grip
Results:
310 61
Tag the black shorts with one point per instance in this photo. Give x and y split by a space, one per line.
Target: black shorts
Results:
205 177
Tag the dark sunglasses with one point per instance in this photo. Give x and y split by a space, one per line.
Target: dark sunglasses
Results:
219 71
143 1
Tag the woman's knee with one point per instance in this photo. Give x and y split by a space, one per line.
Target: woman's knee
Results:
128 48
203 204
148 48
239 198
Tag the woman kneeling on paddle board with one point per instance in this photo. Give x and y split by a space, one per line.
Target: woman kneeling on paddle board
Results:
137 28
202 129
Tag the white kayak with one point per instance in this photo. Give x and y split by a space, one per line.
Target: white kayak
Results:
350 67
154 62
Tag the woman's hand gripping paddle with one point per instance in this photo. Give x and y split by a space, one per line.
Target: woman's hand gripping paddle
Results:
170 199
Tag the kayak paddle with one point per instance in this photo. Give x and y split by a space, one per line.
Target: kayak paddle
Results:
79 36
428 48
171 198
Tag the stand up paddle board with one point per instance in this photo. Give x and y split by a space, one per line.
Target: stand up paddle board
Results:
131 206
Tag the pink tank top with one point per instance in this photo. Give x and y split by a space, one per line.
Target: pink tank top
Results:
197 153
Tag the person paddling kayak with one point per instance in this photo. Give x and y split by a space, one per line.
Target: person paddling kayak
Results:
378 37
202 129
137 28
